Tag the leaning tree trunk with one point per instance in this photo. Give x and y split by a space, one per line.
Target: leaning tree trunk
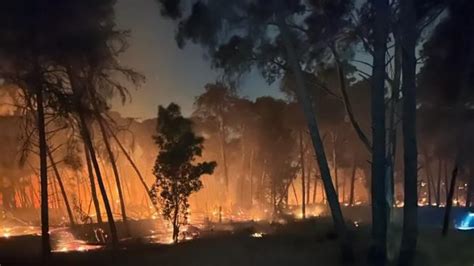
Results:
61 187
88 142
134 166
410 157
114 167
379 186
305 102
90 147
90 173
46 246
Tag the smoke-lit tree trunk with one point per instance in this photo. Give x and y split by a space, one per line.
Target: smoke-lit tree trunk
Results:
315 188
334 163
410 157
90 147
222 137
379 181
306 104
114 166
132 163
46 246
353 175
63 190
303 182
88 142
90 173
438 185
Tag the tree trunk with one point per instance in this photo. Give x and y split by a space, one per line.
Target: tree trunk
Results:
379 180
410 209
334 164
63 190
95 200
303 182
347 104
353 175
46 246
438 185
449 200
306 104
114 167
469 189
134 166
315 188
88 142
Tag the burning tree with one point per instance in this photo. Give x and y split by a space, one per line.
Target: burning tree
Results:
176 174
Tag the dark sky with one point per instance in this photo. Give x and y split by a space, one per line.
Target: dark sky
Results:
173 75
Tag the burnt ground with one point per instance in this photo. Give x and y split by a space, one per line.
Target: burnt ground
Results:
311 242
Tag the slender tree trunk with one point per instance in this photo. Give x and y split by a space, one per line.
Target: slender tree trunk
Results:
294 193
438 185
469 189
410 209
88 142
449 200
305 101
334 164
353 175
315 188
347 104
95 200
63 190
303 182
46 246
114 168
380 206
134 166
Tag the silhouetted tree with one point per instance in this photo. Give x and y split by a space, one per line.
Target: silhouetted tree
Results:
176 170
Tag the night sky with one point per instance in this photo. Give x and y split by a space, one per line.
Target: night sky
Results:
173 75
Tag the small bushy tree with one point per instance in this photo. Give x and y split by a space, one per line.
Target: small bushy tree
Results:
176 170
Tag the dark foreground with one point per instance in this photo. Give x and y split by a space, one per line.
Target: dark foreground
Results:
296 243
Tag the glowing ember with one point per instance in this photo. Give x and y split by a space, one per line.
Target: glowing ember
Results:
257 235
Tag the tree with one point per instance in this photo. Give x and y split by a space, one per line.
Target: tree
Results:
253 42
177 173
379 178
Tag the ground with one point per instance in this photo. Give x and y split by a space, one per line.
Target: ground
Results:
299 243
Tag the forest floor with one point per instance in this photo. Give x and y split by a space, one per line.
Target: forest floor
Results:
311 242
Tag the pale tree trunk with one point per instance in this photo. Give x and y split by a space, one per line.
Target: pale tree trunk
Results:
90 173
410 156
306 104
63 190
379 180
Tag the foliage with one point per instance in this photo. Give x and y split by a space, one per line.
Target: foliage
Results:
176 170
